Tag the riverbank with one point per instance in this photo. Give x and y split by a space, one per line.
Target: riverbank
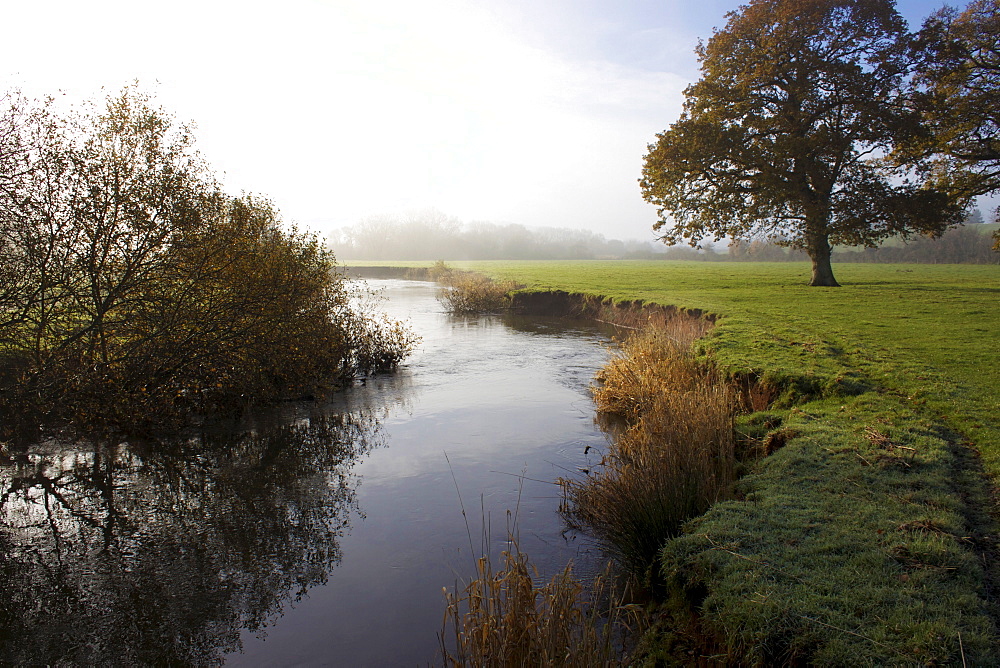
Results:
867 536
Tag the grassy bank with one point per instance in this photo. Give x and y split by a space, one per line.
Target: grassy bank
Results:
863 541
865 537
925 332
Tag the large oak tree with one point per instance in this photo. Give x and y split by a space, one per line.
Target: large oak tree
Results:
785 134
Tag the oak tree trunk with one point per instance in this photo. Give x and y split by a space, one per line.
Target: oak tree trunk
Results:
822 271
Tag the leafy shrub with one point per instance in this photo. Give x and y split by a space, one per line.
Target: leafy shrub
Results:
376 342
135 292
439 271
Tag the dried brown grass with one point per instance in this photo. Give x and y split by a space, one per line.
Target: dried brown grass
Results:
502 618
469 292
675 456
651 362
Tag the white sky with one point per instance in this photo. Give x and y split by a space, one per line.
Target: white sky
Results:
524 111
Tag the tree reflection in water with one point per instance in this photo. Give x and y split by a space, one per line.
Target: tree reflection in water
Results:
162 552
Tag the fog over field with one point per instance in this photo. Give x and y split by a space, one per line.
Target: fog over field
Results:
432 235
509 111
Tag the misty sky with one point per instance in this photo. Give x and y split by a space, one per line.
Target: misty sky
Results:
523 111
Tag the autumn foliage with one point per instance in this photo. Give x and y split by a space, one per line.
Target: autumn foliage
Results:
134 291
784 137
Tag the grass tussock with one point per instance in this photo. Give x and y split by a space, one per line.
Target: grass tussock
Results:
466 292
503 618
675 456
656 360
684 326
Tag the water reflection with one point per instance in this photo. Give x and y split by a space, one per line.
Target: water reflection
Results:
162 552
201 551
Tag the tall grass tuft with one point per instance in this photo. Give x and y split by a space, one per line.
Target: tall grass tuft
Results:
467 292
654 361
675 456
502 618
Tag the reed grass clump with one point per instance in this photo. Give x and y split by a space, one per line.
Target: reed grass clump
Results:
673 459
468 292
503 618
655 360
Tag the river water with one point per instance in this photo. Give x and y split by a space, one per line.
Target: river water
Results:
308 534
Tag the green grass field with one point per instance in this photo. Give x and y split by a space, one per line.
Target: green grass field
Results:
867 538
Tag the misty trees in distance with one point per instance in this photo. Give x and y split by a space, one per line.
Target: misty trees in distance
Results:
969 243
133 288
432 235
787 132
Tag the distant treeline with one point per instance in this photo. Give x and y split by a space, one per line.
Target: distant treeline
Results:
970 244
434 236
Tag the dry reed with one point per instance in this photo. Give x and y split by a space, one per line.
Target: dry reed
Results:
674 458
467 292
653 361
502 618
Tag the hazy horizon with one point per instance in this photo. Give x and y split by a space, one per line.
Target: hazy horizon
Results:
508 111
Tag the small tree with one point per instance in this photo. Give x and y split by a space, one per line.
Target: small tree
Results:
135 185
33 224
785 133
17 287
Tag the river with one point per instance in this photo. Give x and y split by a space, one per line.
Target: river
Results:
307 534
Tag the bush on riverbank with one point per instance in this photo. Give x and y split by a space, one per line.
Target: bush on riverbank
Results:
467 292
134 292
